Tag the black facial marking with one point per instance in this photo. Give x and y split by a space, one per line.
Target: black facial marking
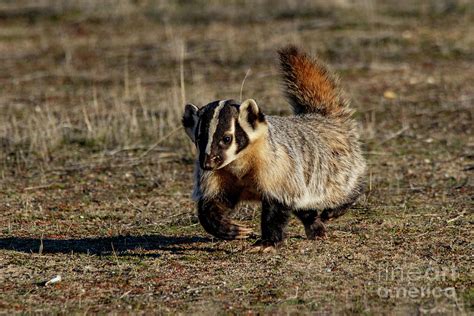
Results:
202 133
241 137
225 124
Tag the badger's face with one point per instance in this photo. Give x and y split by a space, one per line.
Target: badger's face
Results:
222 129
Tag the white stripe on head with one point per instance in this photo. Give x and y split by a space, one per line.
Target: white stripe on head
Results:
213 125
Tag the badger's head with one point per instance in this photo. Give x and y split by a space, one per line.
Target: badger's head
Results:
221 130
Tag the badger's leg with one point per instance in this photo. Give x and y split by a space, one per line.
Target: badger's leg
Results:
313 225
314 222
335 212
330 213
214 218
275 217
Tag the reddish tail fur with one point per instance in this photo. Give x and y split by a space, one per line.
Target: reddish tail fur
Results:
310 87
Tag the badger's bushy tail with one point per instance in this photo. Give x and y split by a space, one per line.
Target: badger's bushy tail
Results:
309 86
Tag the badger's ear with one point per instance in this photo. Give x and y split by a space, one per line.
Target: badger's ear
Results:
251 119
190 120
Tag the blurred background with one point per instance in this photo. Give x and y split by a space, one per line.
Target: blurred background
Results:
93 159
103 75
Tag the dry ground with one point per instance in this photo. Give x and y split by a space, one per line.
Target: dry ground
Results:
95 172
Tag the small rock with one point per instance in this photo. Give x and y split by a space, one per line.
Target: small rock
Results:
56 279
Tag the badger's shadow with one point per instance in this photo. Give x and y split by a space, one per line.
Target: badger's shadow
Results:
118 245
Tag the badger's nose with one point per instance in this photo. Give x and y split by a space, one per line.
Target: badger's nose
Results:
216 159
211 162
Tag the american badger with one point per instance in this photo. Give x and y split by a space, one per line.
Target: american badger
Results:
309 164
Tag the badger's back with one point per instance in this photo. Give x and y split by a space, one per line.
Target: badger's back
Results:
312 161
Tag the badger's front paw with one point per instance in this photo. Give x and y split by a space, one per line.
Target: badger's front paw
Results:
229 230
214 218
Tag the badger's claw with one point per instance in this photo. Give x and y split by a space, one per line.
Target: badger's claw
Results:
226 229
239 231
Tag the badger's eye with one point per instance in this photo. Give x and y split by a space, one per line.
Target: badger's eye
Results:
227 139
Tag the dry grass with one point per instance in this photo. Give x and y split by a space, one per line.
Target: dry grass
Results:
96 173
